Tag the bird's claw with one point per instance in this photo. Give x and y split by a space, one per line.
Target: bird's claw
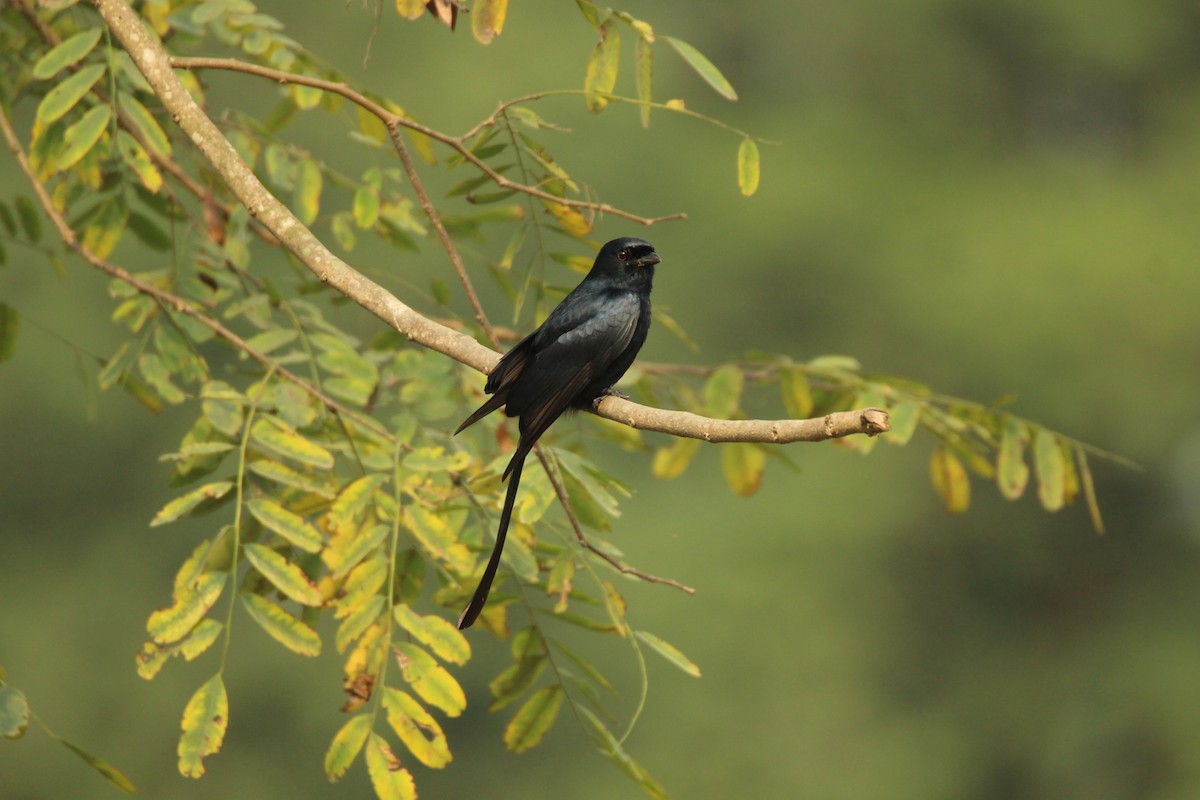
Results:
610 393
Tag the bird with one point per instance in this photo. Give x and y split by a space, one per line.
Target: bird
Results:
570 362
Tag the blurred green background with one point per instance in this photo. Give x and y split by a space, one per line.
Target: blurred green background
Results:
989 197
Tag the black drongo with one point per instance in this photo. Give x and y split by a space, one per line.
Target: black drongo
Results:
569 362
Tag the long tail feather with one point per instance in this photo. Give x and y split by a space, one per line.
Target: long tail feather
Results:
471 612
493 402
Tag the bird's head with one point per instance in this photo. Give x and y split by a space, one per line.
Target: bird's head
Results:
621 256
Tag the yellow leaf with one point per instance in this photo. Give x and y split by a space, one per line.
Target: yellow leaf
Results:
410 9
570 218
487 19
417 728
191 604
277 436
671 461
205 720
601 75
436 633
430 679
345 745
291 527
283 575
282 626
743 464
390 780
950 480
747 167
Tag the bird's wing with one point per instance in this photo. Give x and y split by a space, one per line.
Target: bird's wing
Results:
500 380
564 365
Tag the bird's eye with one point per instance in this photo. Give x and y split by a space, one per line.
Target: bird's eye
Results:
623 254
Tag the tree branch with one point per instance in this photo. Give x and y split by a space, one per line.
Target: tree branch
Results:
393 120
154 63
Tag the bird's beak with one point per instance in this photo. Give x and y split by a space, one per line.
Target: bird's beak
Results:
649 260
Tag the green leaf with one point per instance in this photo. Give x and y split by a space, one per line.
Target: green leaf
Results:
670 653
601 75
159 378
609 745
436 633
148 231
413 724
670 462
282 626
723 392
192 602
345 745
796 392
8 222
31 220
743 464
182 505
63 97
530 653
288 525
703 67
644 69
10 324
308 191
389 780
110 773
1012 474
82 136
283 575
487 19
280 438
950 480
149 132
429 679
905 417
366 206
14 712
222 407
1050 465
593 674
532 722
66 53
205 720
834 363
592 14
1089 489
747 166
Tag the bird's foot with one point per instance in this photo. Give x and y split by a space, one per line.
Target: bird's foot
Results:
610 392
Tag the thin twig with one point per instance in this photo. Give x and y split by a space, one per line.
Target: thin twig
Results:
435 219
563 498
392 120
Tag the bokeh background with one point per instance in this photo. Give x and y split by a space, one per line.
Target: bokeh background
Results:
993 198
